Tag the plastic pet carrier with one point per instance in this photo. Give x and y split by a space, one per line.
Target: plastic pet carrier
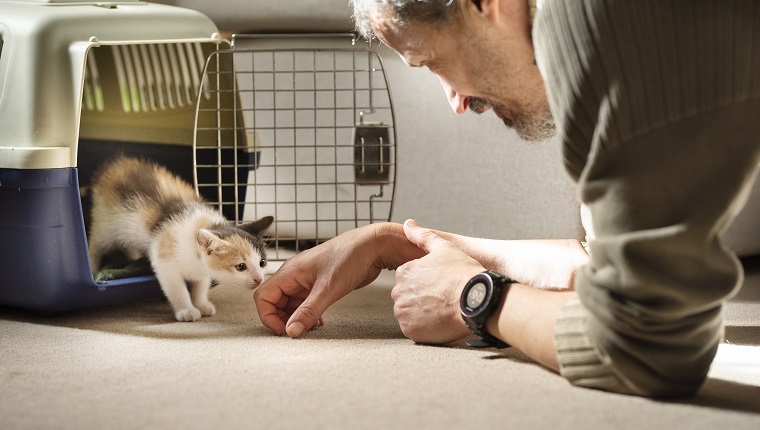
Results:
302 133
80 83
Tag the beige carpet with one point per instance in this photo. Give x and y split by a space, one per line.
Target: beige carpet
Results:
133 367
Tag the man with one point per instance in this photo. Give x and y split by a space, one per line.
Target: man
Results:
656 104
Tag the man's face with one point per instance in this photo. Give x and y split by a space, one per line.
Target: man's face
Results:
479 70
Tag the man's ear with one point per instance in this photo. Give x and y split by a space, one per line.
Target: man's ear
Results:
488 9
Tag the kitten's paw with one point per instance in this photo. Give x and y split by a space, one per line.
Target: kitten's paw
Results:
207 309
189 315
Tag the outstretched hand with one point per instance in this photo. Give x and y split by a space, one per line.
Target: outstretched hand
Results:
294 298
427 291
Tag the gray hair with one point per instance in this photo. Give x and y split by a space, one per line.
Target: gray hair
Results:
402 12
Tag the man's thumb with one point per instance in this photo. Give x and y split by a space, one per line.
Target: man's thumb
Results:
303 319
424 238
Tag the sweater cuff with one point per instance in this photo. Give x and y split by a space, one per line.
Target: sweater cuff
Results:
580 361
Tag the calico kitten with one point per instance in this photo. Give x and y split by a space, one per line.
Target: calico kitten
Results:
143 210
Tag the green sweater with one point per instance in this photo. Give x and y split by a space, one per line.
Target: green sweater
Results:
657 104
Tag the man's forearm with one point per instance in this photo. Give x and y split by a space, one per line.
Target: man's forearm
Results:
549 264
526 318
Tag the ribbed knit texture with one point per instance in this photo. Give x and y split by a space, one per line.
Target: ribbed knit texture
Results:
657 105
580 361
649 49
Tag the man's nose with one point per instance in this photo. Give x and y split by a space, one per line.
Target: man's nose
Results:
459 103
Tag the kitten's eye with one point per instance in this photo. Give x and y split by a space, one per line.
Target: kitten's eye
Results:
263 263
241 267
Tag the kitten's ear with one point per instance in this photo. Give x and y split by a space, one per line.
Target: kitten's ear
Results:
209 241
257 227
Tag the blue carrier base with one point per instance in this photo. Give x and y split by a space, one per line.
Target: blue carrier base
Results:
44 260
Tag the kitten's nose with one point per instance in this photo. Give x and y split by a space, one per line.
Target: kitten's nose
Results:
256 281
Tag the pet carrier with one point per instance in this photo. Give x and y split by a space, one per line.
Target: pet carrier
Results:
302 133
79 83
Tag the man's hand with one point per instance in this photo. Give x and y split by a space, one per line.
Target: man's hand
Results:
294 298
427 291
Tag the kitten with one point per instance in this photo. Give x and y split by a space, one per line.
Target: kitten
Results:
143 210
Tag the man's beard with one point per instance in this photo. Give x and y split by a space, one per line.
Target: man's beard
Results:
533 127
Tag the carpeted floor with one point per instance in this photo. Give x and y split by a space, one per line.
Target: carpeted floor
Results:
133 367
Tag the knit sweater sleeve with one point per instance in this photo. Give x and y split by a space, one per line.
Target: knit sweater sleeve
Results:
664 152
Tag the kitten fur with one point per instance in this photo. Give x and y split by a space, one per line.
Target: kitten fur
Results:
143 210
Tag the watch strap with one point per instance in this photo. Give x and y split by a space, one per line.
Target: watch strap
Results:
501 285
487 341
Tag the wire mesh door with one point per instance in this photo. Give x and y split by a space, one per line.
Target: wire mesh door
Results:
305 134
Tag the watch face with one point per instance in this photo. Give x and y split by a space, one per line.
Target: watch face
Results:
476 295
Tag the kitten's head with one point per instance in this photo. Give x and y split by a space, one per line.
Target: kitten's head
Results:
235 255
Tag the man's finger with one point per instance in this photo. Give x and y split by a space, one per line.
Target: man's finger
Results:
309 313
271 317
270 300
424 238
302 320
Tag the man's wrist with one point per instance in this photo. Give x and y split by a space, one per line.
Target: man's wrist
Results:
480 300
492 323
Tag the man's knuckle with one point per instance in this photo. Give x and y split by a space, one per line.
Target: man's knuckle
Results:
309 312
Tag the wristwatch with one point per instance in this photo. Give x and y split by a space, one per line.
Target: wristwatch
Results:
480 298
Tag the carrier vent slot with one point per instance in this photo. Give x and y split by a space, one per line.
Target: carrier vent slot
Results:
151 77
1 57
93 91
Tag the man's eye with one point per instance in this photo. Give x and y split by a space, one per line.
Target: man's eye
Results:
263 263
241 267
